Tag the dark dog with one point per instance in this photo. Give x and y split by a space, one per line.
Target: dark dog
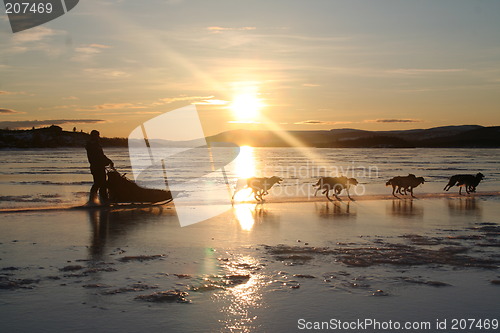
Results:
259 186
337 184
404 184
469 181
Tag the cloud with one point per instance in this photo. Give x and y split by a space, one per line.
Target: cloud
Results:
416 71
99 46
311 85
320 122
393 121
34 35
107 73
212 102
36 39
169 100
8 111
86 52
19 124
129 113
114 106
200 100
57 107
216 29
3 92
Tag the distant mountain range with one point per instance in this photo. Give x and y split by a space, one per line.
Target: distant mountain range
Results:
465 136
446 136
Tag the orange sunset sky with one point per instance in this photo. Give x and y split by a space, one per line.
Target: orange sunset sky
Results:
300 65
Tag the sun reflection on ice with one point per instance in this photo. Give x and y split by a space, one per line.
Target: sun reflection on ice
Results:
243 297
244 168
245 214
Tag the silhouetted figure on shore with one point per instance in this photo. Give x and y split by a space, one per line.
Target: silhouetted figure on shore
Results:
98 162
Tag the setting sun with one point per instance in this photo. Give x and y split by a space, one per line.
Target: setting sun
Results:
246 107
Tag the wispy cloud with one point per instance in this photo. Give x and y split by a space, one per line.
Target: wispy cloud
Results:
20 124
128 113
86 52
113 106
417 71
34 35
321 122
216 29
169 100
36 39
393 121
8 111
310 85
108 73
58 107
212 102
201 100
3 92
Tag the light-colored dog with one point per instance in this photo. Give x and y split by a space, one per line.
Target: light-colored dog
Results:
259 186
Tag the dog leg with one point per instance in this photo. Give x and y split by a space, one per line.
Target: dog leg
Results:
348 195
393 189
232 198
401 190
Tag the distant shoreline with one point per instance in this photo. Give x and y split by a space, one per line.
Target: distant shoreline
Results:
465 136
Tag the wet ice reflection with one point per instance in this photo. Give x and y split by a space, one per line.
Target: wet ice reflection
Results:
244 296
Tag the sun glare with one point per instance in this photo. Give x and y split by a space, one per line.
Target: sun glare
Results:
246 107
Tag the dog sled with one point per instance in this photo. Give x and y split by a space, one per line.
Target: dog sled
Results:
122 191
